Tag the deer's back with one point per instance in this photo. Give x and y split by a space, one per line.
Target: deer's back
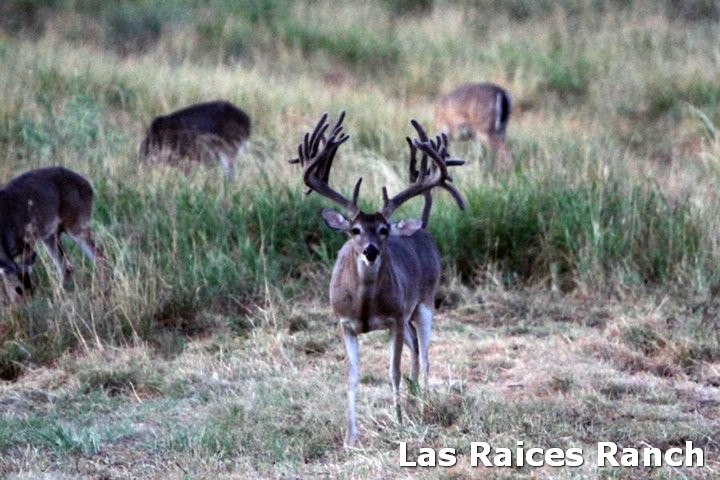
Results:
217 118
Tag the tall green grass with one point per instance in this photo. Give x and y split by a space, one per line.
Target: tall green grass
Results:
614 185
593 235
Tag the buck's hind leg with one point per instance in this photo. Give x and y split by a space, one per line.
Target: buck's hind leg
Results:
411 340
423 318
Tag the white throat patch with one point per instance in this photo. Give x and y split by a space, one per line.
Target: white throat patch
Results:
365 266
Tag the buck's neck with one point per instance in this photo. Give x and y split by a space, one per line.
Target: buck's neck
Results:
367 273
361 293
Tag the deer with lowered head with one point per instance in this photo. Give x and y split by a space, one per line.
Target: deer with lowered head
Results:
476 109
212 132
42 205
386 274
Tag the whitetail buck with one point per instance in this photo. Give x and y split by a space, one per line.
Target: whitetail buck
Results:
213 132
476 109
42 205
386 274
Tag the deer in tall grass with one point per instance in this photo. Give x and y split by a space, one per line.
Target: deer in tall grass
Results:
212 132
476 109
42 205
386 274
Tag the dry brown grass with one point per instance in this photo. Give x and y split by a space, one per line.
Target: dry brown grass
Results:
506 365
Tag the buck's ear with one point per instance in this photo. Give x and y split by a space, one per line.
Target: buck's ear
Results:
335 220
405 228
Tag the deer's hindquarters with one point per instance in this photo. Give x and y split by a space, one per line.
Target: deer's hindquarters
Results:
481 109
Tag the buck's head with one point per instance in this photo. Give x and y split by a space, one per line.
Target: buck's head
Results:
369 232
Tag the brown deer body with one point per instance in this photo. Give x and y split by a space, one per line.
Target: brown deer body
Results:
212 132
42 205
476 109
386 273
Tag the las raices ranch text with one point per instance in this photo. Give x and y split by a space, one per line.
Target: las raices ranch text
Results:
609 455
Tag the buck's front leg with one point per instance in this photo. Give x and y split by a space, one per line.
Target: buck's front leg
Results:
353 361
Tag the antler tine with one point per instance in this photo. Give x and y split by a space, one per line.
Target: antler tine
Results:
304 149
414 174
334 144
421 131
441 144
338 125
444 177
432 172
316 154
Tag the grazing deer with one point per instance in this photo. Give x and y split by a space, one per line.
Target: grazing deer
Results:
213 132
481 109
42 205
386 273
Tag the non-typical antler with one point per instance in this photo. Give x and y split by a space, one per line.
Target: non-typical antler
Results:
316 162
429 174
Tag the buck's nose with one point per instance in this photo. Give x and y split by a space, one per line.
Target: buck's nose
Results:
371 252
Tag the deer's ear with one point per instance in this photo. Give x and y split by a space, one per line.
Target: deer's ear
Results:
405 228
335 220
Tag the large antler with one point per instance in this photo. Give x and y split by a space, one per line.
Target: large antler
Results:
428 176
316 162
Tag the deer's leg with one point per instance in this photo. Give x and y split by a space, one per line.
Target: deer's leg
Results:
26 267
502 153
411 340
396 344
423 323
227 165
228 154
13 289
54 248
464 131
83 238
11 280
352 353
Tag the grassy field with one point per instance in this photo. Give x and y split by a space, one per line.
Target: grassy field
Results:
579 297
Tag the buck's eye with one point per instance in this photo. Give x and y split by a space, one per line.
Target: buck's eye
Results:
383 231
355 231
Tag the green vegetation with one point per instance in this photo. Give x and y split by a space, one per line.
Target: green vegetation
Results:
215 302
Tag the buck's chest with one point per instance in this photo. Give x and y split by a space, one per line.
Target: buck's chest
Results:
364 313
